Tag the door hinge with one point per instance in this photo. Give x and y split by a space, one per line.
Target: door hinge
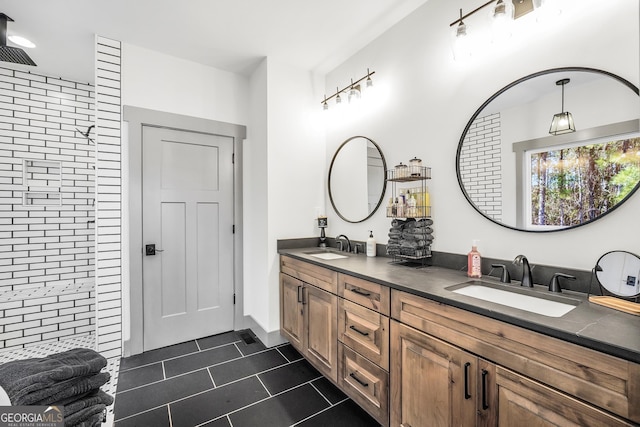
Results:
233 158
233 229
234 299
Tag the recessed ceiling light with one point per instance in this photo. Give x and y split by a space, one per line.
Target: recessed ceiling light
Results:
21 41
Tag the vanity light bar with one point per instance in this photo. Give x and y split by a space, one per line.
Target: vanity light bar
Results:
352 85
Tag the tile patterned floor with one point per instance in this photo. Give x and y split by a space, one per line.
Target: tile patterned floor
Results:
228 381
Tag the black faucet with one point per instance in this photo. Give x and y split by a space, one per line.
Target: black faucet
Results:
341 245
504 277
554 284
527 280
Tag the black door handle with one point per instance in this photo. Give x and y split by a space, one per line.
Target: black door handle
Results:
485 404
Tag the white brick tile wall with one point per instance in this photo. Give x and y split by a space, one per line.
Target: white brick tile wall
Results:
109 200
45 247
480 161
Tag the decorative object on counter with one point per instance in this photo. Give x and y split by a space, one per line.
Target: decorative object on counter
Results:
618 274
353 90
540 194
371 244
474 262
322 224
356 179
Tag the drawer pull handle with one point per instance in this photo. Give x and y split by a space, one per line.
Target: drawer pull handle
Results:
362 383
359 292
485 404
359 331
466 380
299 296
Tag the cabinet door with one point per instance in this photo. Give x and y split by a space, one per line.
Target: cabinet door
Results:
321 331
527 403
291 313
433 384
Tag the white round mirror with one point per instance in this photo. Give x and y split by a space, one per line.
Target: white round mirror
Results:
619 273
357 179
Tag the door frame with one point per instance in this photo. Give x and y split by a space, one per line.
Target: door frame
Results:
136 118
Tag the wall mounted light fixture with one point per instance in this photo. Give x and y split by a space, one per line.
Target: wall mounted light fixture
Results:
353 91
563 121
502 15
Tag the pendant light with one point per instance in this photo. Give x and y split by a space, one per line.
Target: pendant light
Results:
563 121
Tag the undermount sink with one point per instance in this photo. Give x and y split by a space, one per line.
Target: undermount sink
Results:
325 255
545 305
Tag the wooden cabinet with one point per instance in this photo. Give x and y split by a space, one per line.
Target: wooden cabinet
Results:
320 331
559 374
308 313
527 403
363 351
435 384
291 310
410 361
365 382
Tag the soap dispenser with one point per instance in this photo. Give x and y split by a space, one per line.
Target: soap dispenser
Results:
474 262
371 244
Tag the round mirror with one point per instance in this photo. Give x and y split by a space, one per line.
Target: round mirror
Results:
357 179
619 273
553 150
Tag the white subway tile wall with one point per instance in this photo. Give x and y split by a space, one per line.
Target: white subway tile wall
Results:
109 199
46 210
480 160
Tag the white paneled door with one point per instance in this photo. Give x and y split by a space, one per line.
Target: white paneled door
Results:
187 211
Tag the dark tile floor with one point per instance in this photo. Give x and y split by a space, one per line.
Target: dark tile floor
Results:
228 381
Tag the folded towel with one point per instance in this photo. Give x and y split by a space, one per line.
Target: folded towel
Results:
21 377
83 415
63 390
93 421
95 397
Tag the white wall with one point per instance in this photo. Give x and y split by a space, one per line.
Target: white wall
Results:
161 82
427 98
296 170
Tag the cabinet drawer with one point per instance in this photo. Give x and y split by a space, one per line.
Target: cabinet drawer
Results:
367 384
365 293
366 331
526 403
605 381
321 277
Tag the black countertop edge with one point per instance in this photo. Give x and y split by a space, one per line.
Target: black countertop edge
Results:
569 336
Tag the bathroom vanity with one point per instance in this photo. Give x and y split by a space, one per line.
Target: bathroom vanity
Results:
412 352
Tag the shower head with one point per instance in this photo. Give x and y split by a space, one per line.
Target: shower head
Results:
9 53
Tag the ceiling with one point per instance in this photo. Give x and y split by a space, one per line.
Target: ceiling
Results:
232 35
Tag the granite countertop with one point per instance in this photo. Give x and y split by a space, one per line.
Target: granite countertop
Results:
589 325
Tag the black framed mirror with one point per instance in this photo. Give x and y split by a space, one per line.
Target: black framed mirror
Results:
356 180
619 273
518 175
